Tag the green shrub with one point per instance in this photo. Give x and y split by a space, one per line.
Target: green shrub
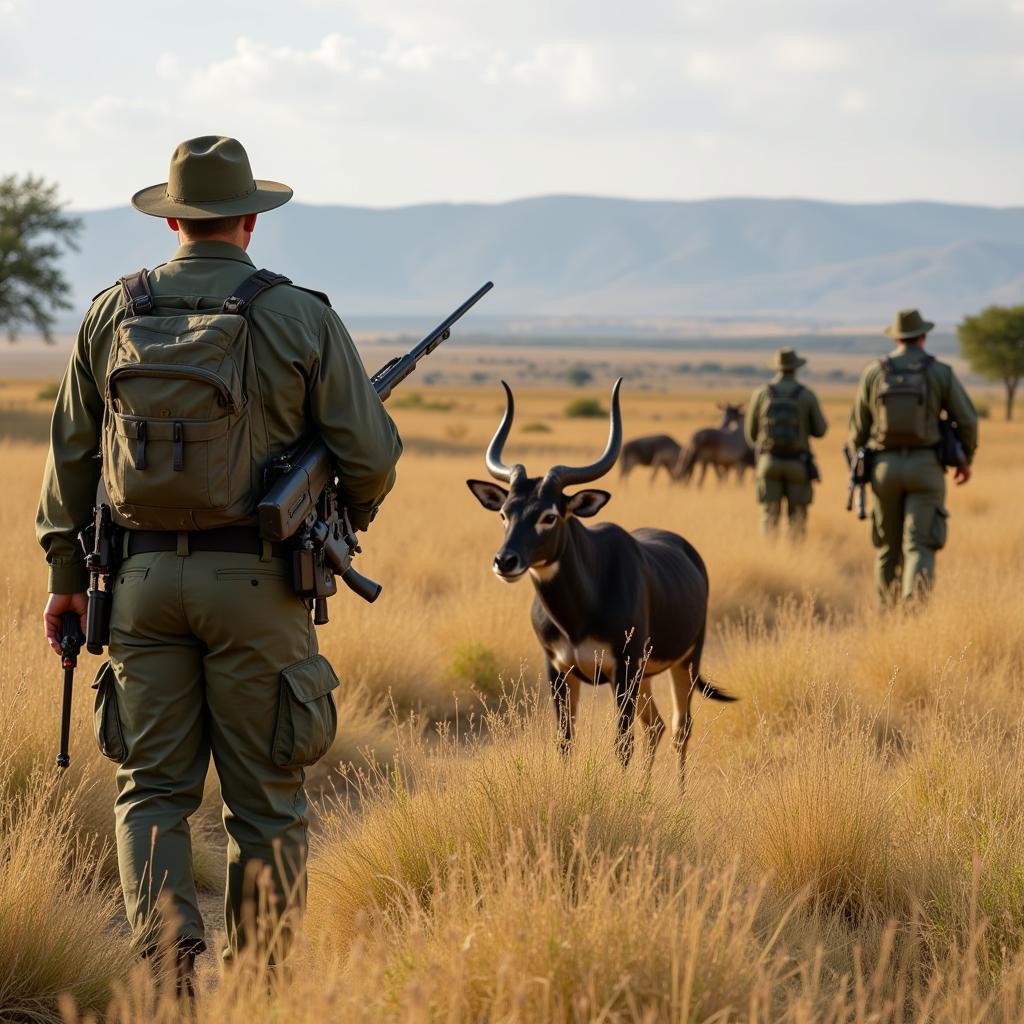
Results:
585 408
578 375
417 401
536 428
49 393
475 663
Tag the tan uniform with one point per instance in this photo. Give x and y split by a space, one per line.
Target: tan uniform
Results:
212 653
908 516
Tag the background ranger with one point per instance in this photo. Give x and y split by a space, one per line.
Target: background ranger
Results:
897 416
189 379
782 417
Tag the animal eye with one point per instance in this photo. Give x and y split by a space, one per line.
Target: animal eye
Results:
548 519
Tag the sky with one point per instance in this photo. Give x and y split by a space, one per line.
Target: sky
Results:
393 102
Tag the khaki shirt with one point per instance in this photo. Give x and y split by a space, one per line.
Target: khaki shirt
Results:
812 419
944 393
312 381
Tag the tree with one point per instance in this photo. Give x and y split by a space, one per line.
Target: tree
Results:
33 231
993 343
579 375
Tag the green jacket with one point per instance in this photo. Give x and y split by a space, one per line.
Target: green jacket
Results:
312 379
944 393
812 420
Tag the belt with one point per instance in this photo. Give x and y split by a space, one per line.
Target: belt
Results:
240 540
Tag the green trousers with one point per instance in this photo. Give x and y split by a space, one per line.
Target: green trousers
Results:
779 479
211 654
908 520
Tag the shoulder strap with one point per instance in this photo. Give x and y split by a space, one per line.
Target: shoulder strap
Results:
138 297
886 364
255 284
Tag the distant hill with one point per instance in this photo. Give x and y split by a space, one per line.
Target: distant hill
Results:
619 260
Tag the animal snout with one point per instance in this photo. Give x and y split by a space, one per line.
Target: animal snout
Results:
508 564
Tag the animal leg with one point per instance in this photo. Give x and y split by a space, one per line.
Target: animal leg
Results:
682 720
653 723
703 473
565 694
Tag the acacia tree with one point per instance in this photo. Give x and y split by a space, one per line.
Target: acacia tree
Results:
993 343
33 231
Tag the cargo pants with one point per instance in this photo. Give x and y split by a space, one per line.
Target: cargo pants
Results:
778 479
908 519
210 654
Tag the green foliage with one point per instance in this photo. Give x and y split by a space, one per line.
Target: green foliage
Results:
536 428
476 663
33 229
993 343
49 393
579 375
585 408
417 401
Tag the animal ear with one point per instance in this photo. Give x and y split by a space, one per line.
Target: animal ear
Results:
587 503
491 496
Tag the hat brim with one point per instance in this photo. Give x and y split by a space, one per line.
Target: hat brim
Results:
268 195
795 365
891 332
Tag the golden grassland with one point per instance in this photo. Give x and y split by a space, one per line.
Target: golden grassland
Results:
850 846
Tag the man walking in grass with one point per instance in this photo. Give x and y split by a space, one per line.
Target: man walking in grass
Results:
904 403
188 380
782 417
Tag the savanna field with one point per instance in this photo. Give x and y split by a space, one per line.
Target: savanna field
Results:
849 848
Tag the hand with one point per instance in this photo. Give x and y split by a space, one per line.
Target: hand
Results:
962 475
56 606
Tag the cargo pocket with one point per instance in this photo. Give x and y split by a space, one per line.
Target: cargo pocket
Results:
939 530
307 719
877 540
106 718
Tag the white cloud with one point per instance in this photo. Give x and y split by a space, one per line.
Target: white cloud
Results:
811 54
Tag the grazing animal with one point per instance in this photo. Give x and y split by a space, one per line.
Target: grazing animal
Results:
609 606
723 448
659 451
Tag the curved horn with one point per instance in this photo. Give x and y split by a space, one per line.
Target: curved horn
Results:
571 475
495 466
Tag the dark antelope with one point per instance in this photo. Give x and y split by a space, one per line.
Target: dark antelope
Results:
610 606
725 448
659 451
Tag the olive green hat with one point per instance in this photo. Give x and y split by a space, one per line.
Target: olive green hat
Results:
210 177
908 323
787 360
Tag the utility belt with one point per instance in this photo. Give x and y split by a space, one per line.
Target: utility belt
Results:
806 457
238 540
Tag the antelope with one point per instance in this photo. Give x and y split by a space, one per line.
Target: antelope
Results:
609 606
724 448
659 451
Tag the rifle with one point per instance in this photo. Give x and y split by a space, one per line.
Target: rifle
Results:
70 645
860 476
302 496
101 544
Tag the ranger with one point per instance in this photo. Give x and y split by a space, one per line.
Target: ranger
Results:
782 417
188 380
904 403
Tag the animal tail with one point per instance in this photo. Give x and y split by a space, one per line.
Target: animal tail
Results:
706 688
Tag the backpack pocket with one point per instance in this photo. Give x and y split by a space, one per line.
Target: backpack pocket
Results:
307 719
177 446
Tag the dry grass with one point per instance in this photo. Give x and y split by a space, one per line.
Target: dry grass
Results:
849 846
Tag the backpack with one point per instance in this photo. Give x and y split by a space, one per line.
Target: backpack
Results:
184 435
783 424
901 405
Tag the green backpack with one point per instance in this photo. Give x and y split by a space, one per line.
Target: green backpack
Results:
901 405
783 426
184 432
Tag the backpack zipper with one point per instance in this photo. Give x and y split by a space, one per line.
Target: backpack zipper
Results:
174 371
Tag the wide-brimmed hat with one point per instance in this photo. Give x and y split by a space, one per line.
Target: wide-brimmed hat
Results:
210 177
786 360
908 323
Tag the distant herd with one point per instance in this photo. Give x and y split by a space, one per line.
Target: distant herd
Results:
723 448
